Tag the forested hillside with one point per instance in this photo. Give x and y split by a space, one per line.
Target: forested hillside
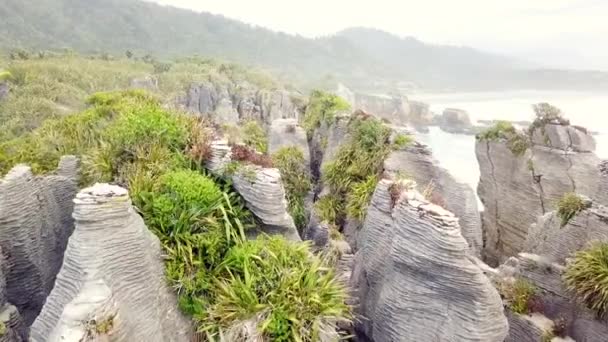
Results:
364 59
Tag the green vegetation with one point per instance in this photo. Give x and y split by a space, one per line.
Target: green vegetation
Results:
402 141
352 175
296 179
5 76
222 280
517 142
322 108
519 295
255 136
568 206
586 276
331 209
546 113
2 329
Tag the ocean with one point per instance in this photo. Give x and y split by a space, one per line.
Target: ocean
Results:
456 152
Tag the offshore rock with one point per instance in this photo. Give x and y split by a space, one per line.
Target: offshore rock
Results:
416 162
517 189
287 133
112 274
455 121
35 224
416 277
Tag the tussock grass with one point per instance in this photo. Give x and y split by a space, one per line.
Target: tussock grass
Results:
568 206
586 276
519 295
517 142
322 107
295 175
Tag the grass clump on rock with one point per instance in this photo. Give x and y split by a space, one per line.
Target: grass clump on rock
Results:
352 175
519 295
568 206
322 108
255 136
402 141
296 179
517 142
586 275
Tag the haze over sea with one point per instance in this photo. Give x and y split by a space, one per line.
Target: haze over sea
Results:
457 152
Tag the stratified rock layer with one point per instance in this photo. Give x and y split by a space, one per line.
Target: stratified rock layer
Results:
516 189
112 272
416 278
416 162
35 224
287 133
261 188
231 103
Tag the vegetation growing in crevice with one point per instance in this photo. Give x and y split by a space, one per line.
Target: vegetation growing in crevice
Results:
519 295
296 179
568 206
255 137
517 142
402 141
322 108
545 114
354 172
222 280
586 276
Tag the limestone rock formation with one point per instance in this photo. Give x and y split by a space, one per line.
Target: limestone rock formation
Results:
112 278
234 102
456 121
416 278
149 83
551 297
394 108
326 141
35 224
516 189
416 162
261 188
556 243
12 326
286 133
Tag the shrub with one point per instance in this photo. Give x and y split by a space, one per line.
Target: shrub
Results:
255 136
5 76
322 107
359 197
287 293
402 141
586 276
296 179
517 142
330 208
395 190
568 206
518 295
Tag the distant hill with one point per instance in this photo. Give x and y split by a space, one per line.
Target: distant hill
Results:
364 59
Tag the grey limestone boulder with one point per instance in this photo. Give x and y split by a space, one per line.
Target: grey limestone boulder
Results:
517 189
35 224
112 274
288 133
417 163
564 137
394 108
416 277
455 121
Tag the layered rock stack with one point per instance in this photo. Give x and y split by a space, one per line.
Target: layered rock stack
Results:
288 133
261 188
516 188
111 285
35 224
416 277
232 103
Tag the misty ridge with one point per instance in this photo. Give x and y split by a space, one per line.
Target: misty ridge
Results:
366 60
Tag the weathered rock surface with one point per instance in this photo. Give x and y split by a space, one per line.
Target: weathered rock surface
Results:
416 162
112 272
395 109
35 224
261 188
149 83
556 243
10 319
456 121
555 301
416 277
234 102
286 133
517 189
420 114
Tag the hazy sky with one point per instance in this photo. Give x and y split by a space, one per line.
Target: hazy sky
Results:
562 33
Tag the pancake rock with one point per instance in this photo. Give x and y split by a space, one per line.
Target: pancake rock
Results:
517 188
112 280
287 133
416 162
416 277
35 224
261 188
455 121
